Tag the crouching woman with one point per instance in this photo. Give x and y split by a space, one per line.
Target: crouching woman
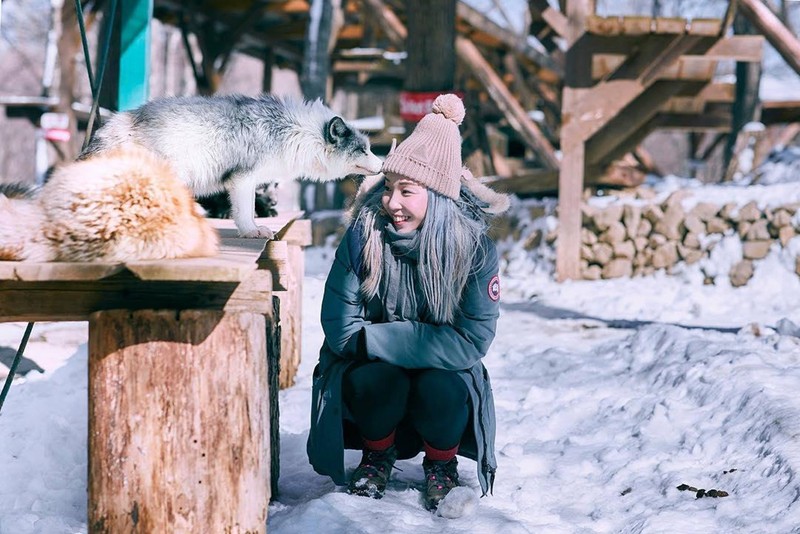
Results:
410 308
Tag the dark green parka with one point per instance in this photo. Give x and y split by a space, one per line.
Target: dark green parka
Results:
411 344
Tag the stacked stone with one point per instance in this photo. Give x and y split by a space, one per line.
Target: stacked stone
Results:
623 240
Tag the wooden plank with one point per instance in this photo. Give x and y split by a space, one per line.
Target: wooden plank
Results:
540 181
570 190
76 300
578 13
655 54
516 116
297 232
236 260
387 21
276 224
780 112
643 108
703 26
687 67
605 64
737 47
554 18
517 43
276 261
291 306
637 25
597 25
670 25
693 122
784 41
690 68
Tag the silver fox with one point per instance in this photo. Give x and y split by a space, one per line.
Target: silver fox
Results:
235 143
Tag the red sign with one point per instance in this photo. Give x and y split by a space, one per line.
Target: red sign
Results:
414 105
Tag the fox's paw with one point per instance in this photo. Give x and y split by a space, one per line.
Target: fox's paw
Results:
259 231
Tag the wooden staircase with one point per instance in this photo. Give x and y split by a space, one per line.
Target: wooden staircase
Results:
626 77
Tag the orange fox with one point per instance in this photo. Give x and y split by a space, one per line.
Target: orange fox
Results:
122 205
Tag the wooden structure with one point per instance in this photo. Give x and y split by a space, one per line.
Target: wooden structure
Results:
626 76
183 378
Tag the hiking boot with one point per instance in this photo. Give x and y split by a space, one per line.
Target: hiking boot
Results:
440 478
370 477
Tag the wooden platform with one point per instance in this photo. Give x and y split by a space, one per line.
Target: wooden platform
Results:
184 359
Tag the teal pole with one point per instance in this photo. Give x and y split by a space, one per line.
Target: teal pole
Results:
134 60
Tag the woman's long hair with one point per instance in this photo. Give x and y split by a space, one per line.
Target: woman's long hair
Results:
450 237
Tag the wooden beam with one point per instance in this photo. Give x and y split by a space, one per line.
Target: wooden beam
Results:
748 48
570 189
780 112
643 108
571 175
76 300
693 122
517 43
691 65
541 9
784 41
387 21
469 54
578 13
657 52
543 181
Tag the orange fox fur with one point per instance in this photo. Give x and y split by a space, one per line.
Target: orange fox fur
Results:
120 206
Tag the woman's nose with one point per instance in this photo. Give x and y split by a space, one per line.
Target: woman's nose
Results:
394 201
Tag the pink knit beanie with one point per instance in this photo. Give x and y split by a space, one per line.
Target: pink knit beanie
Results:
431 155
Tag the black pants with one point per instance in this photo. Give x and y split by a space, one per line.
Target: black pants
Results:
379 395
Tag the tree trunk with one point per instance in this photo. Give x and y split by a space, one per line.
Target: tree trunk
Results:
178 422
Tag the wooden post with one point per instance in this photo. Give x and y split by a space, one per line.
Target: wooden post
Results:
291 264
178 422
570 178
746 105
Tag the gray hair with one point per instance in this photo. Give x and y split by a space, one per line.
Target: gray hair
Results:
450 237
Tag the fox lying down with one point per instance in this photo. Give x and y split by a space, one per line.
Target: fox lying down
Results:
122 205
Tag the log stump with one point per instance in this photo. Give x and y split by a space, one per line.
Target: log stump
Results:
178 422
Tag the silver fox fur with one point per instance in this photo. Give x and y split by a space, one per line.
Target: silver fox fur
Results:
235 143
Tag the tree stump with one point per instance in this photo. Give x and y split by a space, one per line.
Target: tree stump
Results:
178 422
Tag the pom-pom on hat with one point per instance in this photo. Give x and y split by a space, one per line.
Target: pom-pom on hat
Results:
431 155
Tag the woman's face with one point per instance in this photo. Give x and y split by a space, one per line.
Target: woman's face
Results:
405 201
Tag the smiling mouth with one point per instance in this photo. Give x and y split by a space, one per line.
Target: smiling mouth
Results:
399 219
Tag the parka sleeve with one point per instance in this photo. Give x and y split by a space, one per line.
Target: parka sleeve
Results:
343 314
416 345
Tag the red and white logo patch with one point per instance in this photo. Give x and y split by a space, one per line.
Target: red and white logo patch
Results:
494 288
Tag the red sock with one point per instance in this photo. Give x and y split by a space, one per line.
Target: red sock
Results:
379 444
439 455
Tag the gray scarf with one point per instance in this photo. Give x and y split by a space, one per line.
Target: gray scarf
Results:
399 280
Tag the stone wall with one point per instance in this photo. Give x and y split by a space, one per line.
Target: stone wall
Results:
630 239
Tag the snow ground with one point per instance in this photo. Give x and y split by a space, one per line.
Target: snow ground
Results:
609 396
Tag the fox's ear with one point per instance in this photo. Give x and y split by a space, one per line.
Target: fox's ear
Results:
336 130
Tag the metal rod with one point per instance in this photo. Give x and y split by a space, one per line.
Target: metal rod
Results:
15 363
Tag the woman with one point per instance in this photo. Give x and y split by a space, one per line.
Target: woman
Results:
410 308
